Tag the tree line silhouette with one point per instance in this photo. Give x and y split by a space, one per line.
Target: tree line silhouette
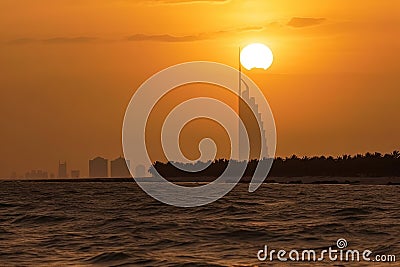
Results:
360 165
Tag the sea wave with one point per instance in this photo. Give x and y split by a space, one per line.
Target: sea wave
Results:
117 224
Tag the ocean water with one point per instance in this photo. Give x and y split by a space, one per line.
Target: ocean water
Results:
116 224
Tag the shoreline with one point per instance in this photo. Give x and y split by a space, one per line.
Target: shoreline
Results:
269 180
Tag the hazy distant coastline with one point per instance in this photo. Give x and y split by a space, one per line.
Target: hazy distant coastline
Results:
269 180
369 169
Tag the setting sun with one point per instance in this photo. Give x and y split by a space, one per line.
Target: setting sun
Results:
256 56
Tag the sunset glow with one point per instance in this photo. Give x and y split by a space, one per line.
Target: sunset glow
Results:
256 56
69 68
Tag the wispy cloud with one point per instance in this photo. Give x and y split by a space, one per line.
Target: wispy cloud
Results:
189 38
168 38
305 22
163 38
296 22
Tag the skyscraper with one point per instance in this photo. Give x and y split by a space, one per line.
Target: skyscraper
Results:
256 133
98 167
120 168
62 169
251 117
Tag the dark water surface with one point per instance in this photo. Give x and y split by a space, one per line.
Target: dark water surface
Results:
116 224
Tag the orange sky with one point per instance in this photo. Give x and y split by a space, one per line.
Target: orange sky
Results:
69 67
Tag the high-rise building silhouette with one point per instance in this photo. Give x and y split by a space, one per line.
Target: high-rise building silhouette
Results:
62 169
98 167
120 168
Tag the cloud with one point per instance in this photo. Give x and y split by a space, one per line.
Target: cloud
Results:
188 38
55 40
163 38
305 22
168 38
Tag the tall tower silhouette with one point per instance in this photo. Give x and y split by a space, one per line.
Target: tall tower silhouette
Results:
251 117
62 169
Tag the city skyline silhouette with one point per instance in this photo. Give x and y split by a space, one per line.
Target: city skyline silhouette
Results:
360 165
